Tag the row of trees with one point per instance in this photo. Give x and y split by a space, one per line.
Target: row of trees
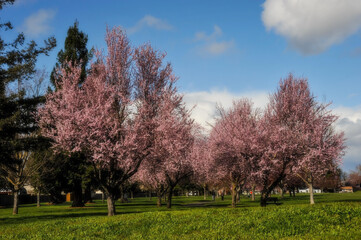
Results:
292 138
120 120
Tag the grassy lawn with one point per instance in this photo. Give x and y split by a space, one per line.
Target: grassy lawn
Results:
335 216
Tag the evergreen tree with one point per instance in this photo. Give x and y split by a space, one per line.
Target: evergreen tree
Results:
18 128
75 52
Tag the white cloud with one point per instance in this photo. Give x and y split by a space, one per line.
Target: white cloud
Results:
211 45
312 26
350 123
38 23
202 36
217 48
206 102
150 22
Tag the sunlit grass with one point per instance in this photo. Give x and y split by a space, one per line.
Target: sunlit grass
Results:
335 216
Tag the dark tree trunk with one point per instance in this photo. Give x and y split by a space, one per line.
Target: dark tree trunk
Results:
102 197
267 190
234 195
170 193
253 193
122 198
77 195
239 192
88 195
38 199
205 191
131 195
264 197
16 202
111 205
159 200
150 195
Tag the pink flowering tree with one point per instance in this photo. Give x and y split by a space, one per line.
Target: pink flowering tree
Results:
201 161
234 145
325 148
110 117
169 161
283 133
291 129
159 95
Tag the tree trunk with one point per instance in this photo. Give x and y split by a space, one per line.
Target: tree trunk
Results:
264 197
253 193
282 193
111 205
38 199
16 202
159 200
170 193
234 195
205 192
131 195
122 199
88 194
77 195
223 192
239 193
187 194
150 195
310 187
294 192
102 197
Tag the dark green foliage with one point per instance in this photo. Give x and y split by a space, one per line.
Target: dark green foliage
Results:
18 129
75 51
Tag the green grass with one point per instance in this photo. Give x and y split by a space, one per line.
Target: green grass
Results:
335 216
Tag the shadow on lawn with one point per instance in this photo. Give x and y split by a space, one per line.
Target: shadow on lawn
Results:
48 217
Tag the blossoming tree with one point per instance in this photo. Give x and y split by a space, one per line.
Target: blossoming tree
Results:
111 116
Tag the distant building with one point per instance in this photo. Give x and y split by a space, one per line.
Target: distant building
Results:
307 190
346 189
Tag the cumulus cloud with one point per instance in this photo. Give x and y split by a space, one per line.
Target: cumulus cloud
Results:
312 26
206 102
38 23
211 43
149 21
350 123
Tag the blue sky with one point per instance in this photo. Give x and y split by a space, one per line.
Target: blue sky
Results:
229 49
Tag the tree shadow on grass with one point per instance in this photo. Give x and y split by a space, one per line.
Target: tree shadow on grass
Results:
51 217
